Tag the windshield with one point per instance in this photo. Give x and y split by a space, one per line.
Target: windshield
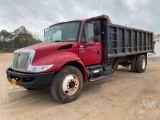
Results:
63 32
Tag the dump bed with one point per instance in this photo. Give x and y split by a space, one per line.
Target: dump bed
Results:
123 41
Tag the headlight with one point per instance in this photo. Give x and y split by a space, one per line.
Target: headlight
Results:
40 68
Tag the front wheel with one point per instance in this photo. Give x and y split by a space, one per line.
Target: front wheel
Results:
30 88
67 84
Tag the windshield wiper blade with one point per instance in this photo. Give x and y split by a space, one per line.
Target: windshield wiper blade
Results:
57 41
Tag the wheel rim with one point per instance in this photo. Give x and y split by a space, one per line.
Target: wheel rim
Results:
143 63
70 84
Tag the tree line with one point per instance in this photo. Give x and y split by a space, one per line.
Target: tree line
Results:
22 40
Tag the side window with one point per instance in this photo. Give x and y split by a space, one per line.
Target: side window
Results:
88 32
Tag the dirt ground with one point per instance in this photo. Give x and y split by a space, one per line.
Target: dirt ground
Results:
123 95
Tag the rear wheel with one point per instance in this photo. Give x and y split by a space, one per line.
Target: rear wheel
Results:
133 63
141 63
67 84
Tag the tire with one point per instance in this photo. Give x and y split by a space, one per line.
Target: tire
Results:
141 63
133 64
31 88
116 68
67 84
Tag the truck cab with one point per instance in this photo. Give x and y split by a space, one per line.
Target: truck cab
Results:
80 38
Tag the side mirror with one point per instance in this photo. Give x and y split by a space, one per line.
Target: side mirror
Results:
45 31
96 38
97 27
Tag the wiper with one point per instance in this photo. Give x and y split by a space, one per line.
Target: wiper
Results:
57 41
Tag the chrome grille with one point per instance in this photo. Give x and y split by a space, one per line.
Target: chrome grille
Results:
20 61
15 60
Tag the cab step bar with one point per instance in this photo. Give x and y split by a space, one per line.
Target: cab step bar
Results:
98 72
102 77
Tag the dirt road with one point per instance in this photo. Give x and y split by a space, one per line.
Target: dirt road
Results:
123 95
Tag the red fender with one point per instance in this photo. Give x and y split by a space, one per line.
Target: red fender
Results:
59 60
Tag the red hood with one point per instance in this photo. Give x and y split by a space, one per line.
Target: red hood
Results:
50 48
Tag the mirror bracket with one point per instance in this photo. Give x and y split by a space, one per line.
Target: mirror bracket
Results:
45 31
96 38
97 27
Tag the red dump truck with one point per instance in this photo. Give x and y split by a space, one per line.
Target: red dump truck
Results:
78 52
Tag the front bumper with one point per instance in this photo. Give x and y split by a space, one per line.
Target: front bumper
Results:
30 80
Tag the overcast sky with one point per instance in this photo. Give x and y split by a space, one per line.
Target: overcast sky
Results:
37 15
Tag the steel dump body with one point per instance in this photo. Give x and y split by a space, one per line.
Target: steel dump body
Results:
123 41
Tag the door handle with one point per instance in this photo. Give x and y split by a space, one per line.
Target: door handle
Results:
98 52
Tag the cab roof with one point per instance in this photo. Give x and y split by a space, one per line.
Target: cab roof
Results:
106 17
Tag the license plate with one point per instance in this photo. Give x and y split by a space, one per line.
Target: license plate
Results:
13 81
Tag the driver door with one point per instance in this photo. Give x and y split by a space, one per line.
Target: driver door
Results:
89 51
